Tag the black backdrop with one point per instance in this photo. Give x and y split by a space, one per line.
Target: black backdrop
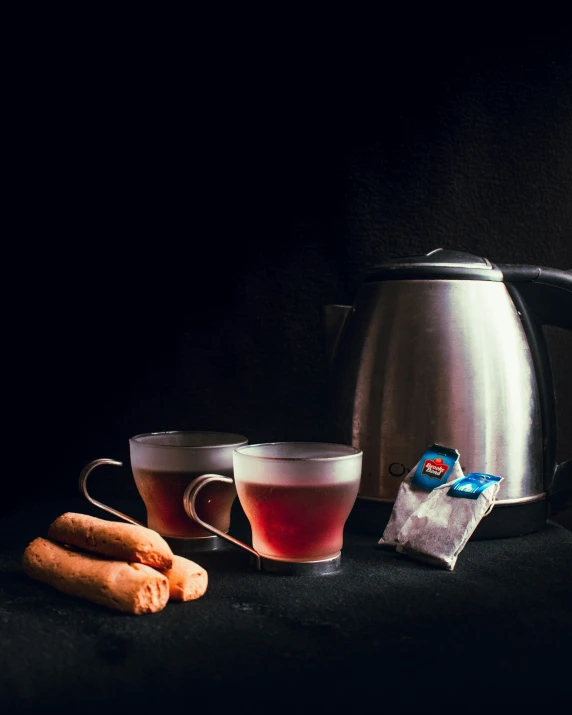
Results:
182 218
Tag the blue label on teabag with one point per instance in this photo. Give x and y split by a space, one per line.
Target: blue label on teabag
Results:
471 486
435 467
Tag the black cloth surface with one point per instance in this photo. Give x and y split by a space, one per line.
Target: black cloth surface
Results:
385 628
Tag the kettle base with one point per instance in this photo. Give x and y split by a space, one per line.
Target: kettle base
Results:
371 517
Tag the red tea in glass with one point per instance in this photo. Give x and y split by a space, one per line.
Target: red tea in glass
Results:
297 497
163 465
162 492
297 521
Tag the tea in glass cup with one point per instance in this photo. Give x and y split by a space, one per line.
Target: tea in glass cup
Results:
163 465
297 497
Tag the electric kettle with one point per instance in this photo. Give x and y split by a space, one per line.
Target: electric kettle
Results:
447 348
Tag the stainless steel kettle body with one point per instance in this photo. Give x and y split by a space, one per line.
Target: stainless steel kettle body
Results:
442 349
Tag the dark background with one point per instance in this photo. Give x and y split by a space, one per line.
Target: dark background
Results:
182 210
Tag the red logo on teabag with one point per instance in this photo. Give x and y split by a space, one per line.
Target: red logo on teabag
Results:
435 468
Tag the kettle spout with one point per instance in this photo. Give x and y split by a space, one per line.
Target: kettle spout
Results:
333 320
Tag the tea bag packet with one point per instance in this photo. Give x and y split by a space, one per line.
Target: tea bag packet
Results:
437 531
438 465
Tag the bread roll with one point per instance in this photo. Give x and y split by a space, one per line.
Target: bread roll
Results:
129 587
116 540
187 580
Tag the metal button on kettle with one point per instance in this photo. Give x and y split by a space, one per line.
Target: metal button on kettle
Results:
448 348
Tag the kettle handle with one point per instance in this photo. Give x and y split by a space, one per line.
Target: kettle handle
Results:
547 291
543 296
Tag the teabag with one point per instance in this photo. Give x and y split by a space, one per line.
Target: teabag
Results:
439 465
437 531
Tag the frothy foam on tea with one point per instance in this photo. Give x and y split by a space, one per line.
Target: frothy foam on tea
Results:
295 451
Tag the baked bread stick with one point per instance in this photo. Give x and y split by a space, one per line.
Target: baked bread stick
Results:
128 587
187 580
116 540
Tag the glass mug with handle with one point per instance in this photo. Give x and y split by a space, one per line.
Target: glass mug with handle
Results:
163 464
297 497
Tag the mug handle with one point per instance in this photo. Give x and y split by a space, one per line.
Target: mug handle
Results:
85 472
189 498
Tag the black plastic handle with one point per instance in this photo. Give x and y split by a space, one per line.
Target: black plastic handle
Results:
543 296
547 291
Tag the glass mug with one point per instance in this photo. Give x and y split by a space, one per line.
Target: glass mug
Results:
297 497
163 464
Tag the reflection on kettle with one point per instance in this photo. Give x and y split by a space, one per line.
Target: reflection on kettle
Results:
448 348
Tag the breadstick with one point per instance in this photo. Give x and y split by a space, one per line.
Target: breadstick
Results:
133 588
123 542
187 580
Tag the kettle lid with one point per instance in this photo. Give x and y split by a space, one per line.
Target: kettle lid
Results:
440 263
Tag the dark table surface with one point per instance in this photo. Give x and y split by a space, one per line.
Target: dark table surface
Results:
384 627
